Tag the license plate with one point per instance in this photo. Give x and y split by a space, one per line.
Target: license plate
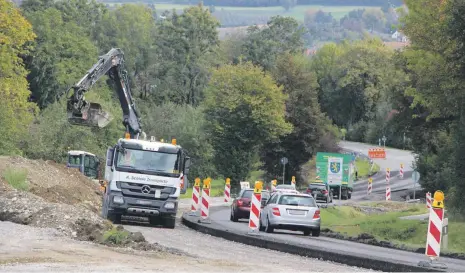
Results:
143 202
157 193
297 212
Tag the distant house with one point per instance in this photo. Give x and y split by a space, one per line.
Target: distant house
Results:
399 37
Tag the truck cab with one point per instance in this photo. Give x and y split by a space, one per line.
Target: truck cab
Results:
145 178
87 163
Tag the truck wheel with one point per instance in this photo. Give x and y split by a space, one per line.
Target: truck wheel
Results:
115 218
316 232
350 196
169 222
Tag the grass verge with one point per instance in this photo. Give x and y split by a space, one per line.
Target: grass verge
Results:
387 226
217 189
17 178
364 168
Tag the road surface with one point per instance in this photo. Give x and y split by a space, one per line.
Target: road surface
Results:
221 217
394 157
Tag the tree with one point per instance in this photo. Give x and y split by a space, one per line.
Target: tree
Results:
244 109
15 111
299 83
263 46
62 54
187 45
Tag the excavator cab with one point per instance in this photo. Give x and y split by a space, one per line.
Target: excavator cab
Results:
91 115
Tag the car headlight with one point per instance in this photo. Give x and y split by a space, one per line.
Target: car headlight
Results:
169 205
118 200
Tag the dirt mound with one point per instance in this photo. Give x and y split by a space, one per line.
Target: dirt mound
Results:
55 182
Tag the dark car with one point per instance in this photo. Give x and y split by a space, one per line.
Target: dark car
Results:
240 208
320 191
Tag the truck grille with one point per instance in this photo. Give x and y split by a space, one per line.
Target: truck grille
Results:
134 190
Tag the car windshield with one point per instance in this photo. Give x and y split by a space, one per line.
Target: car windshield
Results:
248 194
297 200
287 187
148 162
317 186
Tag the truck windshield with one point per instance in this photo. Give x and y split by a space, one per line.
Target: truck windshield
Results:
147 162
74 159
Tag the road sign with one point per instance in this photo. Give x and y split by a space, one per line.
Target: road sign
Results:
335 170
384 138
284 160
416 176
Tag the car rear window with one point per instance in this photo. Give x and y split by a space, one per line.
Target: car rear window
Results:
248 194
296 200
317 187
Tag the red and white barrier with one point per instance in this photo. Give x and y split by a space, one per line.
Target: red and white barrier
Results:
433 239
388 175
388 193
195 198
428 200
205 204
370 188
227 193
401 171
254 219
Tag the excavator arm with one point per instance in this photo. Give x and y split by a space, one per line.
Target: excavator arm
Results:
82 112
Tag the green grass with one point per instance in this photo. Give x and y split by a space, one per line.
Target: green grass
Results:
387 226
17 178
297 12
115 236
363 167
216 190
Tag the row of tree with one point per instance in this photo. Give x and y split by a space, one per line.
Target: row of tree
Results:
272 3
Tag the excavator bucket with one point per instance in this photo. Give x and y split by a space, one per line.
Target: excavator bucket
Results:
91 116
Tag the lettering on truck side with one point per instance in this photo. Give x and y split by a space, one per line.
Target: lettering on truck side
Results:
146 179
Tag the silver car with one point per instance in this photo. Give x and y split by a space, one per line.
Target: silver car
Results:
291 211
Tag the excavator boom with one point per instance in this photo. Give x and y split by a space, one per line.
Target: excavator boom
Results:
82 112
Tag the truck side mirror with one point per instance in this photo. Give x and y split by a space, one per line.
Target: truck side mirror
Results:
110 153
187 164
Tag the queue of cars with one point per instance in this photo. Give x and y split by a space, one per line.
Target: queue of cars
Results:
284 208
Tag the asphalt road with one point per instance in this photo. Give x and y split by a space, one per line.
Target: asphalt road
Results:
394 157
220 216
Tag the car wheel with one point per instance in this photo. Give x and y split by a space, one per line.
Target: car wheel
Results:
316 232
268 228
233 216
306 232
260 226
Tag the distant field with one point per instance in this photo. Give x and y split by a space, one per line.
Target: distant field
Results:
298 12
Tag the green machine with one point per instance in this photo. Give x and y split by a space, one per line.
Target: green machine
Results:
336 170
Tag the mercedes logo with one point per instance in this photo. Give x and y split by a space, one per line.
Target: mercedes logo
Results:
146 189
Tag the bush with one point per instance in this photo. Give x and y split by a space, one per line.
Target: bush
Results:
17 178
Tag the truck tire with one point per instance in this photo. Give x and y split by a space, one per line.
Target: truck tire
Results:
350 196
169 222
115 218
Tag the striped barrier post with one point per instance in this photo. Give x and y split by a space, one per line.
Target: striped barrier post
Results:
370 186
293 181
388 175
401 171
205 204
254 218
428 200
273 185
195 196
436 217
227 190
388 193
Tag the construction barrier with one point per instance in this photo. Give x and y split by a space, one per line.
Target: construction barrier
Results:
273 185
293 180
401 171
377 153
254 219
388 193
370 186
227 190
195 195
436 216
205 204
428 200
388 175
